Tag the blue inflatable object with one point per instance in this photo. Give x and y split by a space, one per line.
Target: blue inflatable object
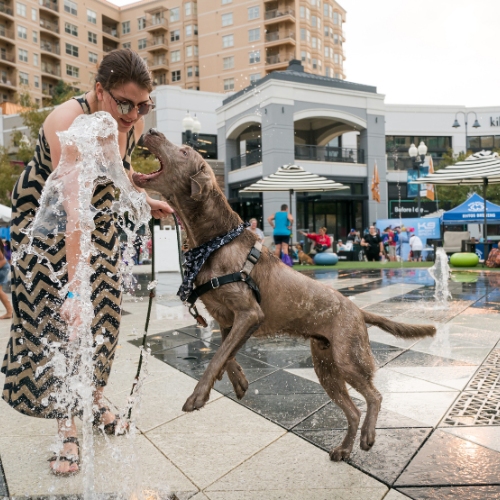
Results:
325 259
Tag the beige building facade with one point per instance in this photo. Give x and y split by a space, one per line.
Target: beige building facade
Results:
210 45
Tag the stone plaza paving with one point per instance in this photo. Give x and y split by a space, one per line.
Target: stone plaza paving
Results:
438 434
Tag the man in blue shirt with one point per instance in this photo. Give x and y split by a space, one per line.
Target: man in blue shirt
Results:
281 222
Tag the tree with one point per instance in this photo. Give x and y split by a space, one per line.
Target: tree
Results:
9 172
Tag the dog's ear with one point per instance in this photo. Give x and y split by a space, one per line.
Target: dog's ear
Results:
201 184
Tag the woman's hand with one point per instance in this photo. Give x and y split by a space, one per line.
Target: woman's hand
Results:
70 313
159 209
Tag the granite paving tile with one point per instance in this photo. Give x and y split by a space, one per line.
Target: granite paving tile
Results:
453 493
487 436
415 358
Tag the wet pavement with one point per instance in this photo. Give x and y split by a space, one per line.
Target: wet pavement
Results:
438 433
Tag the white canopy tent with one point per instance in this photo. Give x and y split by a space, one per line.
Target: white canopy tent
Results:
5 214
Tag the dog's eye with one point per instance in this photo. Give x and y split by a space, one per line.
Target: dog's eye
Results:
184 152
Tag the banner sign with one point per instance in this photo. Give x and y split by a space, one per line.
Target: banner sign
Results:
412 188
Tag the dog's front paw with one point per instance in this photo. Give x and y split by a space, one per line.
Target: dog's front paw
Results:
340 453
195 402
367 439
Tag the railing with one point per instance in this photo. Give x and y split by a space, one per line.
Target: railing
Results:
327 153
6 10
51 69
246 160
6 33
49 25
108 48
273 14
157 41
110 30
6 81
155 22
276 35
279 58
8 56
49 4
54 48
46 90
159 61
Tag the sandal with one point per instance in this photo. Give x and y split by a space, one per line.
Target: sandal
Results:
72 459
112 427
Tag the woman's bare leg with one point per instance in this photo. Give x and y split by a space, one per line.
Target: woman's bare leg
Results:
66 428
4 299
277 250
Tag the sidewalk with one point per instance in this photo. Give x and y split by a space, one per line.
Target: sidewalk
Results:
273 444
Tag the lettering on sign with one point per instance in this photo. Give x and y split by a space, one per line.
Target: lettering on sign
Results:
494 122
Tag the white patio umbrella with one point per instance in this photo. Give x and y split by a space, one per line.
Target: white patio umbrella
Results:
293 178
479 168
5 213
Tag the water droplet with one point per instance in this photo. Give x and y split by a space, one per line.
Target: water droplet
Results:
99 339
45 402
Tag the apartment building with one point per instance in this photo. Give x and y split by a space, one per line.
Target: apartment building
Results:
210 45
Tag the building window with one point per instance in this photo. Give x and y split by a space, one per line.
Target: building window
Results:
228 62
302 11
35 36
225 2
175 35
175 56
176 75
71 29
314 21
253 13
336 58
227 19
92 37
187 9
23 78
23 55
141 23
336 39
227 41
197 72
35 59
72 71
314 42
327 51
70 7
315 63
174 15
22 32
71 50
34 14
92 58
254 57
326 10
335 18
189 72
189 30
254 77
36 81
254 35
195 29
228 84
125 27
303 55
303 34
142 43
126 45
91 16
189 51
21 9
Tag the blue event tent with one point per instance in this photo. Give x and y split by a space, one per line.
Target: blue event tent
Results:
472 211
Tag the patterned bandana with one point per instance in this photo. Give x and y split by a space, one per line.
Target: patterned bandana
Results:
196 257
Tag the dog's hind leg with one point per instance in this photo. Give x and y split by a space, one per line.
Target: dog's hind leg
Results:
234 371
331 380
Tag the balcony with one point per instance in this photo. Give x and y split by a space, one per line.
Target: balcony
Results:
330 154
112 31
51 70
275 38
6 11
279 16
277 61
8 34
106 47
50 48
49 5
47 90
157 43
8 57
158 63
156 24
7 82
246 160
50 26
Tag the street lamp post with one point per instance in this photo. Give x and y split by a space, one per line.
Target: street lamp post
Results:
418 157
466 116
191 127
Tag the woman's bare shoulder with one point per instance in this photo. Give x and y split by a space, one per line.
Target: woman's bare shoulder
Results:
63 116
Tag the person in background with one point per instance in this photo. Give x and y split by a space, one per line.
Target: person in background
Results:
4 280
416 247
281 222
341 247
391 244
353 236
7 251
255 230
322 240
372 243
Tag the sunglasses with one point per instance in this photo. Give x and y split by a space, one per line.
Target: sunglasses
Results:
125 107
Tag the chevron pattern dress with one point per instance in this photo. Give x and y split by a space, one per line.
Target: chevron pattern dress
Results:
30 386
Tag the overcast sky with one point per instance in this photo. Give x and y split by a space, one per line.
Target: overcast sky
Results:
425 51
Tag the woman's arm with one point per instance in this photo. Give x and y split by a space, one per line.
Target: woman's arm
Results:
270 219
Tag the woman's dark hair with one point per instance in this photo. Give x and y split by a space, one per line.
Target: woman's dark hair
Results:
122 66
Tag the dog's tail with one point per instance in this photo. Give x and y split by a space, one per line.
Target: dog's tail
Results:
401 330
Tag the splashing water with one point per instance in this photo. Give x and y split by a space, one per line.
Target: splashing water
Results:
89 157
440 272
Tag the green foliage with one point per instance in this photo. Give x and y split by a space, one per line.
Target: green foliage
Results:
62 92
9 172
143 161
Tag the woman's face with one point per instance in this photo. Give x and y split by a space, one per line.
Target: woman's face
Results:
372 230
322 231
253 224
130 92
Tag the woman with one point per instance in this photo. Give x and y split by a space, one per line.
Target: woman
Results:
372 243
322 240
4 280
281 222
122 88
255 230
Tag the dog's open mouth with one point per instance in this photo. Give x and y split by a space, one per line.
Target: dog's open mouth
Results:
141 179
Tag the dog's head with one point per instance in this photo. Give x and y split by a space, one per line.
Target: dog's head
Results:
183 173
298 246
